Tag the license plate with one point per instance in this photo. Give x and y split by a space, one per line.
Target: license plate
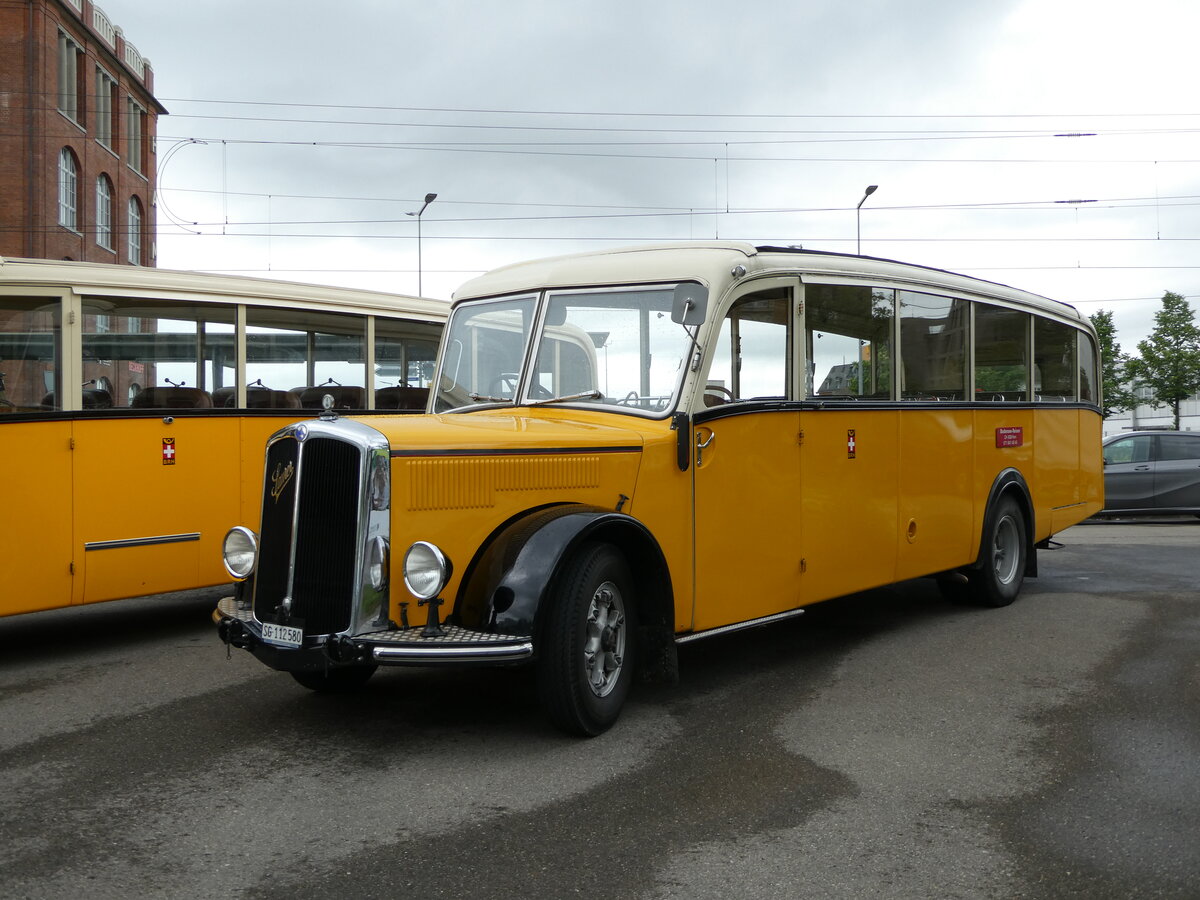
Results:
282 635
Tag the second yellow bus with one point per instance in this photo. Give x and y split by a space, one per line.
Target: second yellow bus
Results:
134 405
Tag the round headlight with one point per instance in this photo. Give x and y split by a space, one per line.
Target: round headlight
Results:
240 552
377 563
426 570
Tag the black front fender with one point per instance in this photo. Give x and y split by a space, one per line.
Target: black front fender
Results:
505 585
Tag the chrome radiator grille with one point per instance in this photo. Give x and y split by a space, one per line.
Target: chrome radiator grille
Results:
309 533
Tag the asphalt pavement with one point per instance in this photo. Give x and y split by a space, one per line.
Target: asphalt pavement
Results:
887 744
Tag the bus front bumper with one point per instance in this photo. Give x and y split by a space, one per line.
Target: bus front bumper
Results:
456 646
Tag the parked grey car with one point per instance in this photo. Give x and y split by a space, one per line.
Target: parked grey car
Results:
1152 473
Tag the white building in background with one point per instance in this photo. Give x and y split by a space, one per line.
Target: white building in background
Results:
1146 417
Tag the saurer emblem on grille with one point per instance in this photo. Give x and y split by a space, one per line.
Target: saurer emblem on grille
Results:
279 479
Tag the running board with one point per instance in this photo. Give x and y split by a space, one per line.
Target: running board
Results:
739 626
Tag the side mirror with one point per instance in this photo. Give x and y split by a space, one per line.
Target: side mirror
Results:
690 303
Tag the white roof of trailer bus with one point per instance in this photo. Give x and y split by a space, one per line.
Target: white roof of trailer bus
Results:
139 282
711 263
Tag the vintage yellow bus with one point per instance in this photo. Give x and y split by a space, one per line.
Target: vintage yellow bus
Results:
629 450
134 405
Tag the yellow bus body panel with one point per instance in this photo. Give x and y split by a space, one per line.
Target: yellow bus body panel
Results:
748 521
452 487
100 514
35 516
860 499
782 509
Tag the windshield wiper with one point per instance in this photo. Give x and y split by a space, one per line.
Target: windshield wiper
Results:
586 395
484 398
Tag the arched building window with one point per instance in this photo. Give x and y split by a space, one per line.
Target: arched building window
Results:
68 190
135 231
104 224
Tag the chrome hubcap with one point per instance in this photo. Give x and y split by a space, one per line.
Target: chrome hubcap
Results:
1006 550
604 640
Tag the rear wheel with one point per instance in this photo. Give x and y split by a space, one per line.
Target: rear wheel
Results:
586 664
331 681
1001 570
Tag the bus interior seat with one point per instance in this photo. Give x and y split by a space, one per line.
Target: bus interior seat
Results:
256 398
93 398
345 396
171 397
716 395
265 398
401 398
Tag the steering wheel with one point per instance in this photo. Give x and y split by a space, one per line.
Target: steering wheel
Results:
718 389
633 398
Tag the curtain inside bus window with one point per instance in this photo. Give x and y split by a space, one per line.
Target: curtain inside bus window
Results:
1053 360
30 355
933 347
849 341
1001 353
307 354
158 354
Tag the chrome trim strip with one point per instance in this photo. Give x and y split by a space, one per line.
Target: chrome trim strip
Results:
443 654
516 451
142 542
739 626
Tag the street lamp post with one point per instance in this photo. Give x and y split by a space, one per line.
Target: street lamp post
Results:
429 198
871 188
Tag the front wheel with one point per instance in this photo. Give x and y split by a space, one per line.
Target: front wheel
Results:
334 681
1001 570
586 665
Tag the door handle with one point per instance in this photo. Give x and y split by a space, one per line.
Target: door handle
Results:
702 445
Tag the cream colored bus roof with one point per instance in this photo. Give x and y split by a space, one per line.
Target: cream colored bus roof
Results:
138 282
711 263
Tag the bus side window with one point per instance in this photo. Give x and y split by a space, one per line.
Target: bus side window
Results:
1088 377
1054 347
752 360
30 348
933 346
1001 353
849 341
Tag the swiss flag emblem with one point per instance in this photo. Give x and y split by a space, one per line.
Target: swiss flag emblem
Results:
168 451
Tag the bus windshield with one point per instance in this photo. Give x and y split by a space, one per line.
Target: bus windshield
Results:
612 347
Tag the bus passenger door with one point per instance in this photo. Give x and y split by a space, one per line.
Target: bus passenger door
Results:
154 496
746 465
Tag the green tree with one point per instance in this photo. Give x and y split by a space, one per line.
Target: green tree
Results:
1170 358
1117 396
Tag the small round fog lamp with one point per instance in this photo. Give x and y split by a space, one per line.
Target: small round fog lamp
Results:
426 570
240 552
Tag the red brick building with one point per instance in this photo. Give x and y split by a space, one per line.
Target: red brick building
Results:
78 119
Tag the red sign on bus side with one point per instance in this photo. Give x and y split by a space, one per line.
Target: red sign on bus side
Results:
168 451
1010 437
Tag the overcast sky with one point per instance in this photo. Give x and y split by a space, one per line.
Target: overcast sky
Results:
556 126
